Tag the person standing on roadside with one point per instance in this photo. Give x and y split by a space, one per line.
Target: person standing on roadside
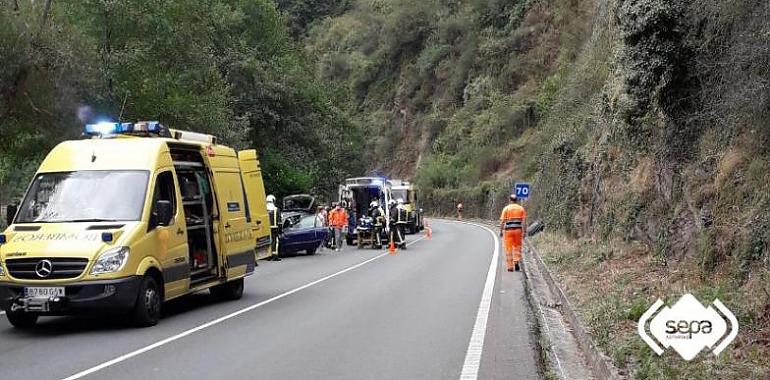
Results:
378 216
396 232
321 217
402 219
460 211
274 213
338 220
320 221
329 230
513 223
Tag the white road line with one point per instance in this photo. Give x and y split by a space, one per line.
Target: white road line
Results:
217 321
2 312
472 362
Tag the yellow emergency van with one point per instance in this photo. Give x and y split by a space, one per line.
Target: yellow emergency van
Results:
136 215
408 192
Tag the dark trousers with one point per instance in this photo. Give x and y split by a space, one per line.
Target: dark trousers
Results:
274 241
397 234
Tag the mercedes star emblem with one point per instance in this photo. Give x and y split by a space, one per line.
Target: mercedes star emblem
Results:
44 268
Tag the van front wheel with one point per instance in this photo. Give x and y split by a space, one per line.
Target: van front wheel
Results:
146 311
21 319
229 291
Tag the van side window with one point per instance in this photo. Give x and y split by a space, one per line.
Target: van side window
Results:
164 191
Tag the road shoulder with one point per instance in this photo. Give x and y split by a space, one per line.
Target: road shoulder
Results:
512 349
559 352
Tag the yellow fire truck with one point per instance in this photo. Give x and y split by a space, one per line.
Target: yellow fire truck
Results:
407 191
136 215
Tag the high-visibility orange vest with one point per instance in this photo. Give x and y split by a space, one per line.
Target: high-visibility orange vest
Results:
338 218
513 217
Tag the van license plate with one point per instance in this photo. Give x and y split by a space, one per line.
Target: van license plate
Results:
47 292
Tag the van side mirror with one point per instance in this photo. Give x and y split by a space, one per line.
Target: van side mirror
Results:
163 213
10 213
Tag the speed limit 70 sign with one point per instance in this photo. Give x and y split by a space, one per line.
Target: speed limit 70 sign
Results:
521 190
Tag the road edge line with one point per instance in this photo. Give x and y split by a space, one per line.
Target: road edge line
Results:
472 363
219 320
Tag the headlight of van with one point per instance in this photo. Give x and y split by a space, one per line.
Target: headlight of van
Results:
111 260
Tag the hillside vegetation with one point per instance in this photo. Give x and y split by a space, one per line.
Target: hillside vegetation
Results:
644 126
228 67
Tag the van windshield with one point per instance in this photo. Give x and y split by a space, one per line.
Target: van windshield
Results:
85 196
404 194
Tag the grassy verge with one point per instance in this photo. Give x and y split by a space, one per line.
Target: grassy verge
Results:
612 284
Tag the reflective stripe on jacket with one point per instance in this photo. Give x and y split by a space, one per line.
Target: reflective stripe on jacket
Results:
513 217
275 217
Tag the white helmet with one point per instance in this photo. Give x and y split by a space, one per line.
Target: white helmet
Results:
271 198
374 204
400 201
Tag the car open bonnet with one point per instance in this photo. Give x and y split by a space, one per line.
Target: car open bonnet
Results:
299 202
82 240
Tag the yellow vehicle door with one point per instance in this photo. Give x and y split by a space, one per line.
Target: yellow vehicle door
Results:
251 174
172 239
235 235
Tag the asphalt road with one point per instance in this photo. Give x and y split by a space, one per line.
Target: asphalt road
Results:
357 314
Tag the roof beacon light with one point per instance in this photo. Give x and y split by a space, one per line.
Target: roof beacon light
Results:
107 128
140 128
147 126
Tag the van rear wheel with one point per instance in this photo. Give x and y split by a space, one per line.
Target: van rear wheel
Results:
229 291
21 319
146 311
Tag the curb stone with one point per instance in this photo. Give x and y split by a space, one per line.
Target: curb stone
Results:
598 361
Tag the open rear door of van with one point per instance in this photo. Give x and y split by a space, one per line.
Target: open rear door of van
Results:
238 249
251 172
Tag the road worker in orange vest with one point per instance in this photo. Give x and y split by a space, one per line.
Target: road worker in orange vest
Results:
513 223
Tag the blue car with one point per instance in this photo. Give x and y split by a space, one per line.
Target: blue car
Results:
303 233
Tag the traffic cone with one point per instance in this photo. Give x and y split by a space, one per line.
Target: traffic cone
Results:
392 248
428 230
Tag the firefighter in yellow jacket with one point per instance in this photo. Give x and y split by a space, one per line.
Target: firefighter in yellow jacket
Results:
274 213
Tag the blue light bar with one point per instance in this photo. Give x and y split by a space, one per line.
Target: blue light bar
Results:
147 126
108 128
